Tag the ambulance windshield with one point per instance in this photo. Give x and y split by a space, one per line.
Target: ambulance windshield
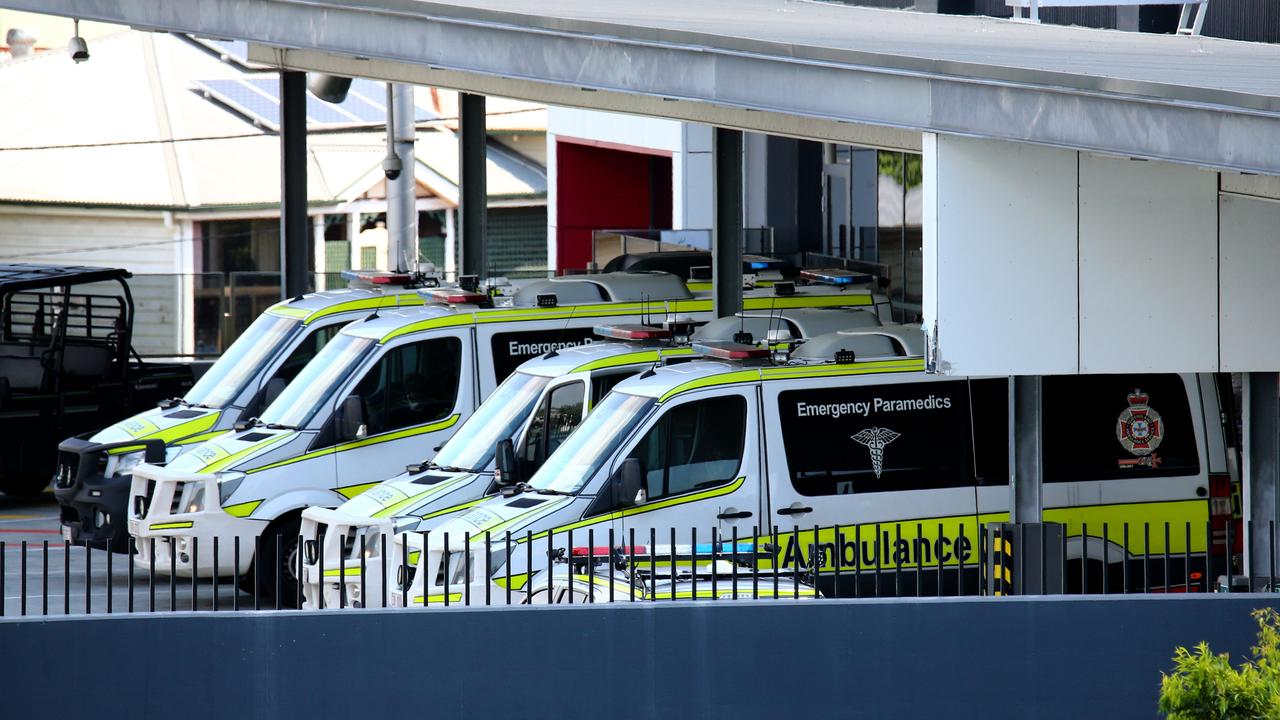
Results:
262 341
312 388
597 439
497 418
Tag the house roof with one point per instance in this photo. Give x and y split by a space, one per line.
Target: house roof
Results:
133 128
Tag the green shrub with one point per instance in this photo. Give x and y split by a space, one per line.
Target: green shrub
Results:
1204 686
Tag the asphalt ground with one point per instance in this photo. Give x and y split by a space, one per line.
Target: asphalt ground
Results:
55 576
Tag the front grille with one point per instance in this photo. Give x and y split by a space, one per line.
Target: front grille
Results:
68 469
142 502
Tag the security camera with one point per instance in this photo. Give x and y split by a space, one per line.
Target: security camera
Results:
77 46
79 49
391 167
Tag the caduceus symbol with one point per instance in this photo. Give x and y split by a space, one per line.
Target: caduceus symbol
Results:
875 439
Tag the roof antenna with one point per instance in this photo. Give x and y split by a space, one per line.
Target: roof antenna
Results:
563 329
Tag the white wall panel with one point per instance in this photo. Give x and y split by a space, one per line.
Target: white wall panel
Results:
1148 266
1249 241
1001 257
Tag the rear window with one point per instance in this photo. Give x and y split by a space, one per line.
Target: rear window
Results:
1108 427
879 438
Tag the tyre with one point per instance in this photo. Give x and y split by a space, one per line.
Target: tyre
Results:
278 562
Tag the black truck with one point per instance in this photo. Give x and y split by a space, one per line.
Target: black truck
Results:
67 365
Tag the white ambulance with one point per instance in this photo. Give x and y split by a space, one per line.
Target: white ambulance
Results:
95 471
851 451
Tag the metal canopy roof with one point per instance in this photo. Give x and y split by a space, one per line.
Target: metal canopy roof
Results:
799 68
20 277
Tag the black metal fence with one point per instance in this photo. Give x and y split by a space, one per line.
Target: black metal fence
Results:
814 562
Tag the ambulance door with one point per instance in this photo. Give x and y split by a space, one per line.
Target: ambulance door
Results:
412 400
557 414
700 463
880 468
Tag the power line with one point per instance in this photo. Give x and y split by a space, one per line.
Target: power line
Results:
427 124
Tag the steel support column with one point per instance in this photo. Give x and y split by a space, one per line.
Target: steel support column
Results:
473 195
726 244
1026 468
294 241
402 212
1261 467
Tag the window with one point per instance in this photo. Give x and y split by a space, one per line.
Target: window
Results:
411 385
879 438
1108 427
558 416
296 361
510 349
602 383
990 430
692 446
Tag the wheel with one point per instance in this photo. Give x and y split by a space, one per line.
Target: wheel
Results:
119 542
281 562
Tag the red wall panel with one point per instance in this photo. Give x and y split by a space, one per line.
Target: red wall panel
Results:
600 188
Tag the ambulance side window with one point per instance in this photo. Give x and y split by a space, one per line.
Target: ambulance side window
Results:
990 400
411 385
1111 427
693 446
602 383
558 415
877 438
293 364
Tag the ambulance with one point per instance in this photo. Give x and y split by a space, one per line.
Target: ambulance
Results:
95 471
534 410
848 456
383 393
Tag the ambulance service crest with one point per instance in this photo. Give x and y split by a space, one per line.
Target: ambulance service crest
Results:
876 439
1140 431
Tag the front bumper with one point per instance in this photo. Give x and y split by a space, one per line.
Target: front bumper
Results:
429 581
332 563
92 506
171 540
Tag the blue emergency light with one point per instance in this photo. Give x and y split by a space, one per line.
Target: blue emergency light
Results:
836 276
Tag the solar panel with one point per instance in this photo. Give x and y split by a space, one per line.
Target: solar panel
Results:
258 99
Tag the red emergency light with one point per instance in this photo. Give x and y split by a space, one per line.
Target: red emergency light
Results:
632 332
378 277
730 351
457 296
584 551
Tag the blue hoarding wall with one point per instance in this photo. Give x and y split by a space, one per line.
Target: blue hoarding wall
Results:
1017 657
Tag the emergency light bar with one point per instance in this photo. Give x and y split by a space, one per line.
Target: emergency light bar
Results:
836 276
632 332
378 277
759 262
457 296
730 351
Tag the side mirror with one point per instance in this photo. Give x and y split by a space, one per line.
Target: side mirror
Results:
351 423
275 386
507 472
628 483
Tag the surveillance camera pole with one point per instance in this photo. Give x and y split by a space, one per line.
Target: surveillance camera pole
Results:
402 213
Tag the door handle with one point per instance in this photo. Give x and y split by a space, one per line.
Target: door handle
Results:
734 515
795 510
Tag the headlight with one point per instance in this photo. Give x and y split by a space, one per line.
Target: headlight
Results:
228 483
193 497
127 462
